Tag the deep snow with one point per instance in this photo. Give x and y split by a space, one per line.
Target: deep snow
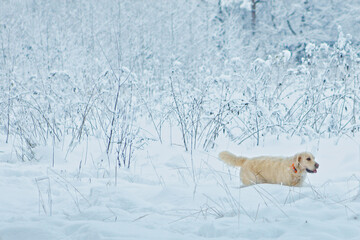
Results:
165 195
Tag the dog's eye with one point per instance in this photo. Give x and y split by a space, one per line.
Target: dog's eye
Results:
308 159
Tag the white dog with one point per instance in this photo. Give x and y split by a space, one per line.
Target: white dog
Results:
289 171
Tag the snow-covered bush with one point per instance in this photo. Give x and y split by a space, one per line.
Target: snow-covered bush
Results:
125 71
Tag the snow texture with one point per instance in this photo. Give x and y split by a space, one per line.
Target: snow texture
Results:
164 197
112 114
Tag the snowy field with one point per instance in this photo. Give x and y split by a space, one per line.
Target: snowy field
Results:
112 115
166 195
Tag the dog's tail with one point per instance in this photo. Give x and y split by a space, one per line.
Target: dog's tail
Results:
231 159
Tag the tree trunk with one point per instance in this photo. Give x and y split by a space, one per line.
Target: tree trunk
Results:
253 15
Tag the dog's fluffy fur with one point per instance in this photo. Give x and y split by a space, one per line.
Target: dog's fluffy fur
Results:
289 171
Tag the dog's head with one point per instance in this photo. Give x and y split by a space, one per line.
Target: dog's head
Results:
306 161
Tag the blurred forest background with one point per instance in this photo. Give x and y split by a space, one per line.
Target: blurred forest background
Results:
182 72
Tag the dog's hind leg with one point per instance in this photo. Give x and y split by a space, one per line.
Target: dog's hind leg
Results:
248 177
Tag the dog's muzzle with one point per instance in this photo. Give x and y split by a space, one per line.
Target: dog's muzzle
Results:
315 170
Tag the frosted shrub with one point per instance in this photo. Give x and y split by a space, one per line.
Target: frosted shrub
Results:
127 70
320 97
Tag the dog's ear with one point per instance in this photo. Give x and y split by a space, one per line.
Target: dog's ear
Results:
298 159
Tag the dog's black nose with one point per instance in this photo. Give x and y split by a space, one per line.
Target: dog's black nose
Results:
316 165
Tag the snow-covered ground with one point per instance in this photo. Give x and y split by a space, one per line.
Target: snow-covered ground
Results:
83 82
167 194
